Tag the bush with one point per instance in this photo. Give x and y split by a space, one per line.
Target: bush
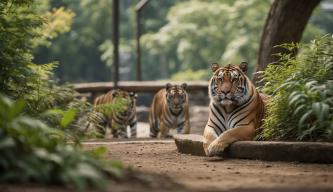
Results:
21 30
302 87
31 151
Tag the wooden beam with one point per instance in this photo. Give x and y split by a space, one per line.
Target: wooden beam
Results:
136 86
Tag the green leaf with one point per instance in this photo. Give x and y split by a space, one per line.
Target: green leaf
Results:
16 109
7 143
99 151
299 109
68 118
304 118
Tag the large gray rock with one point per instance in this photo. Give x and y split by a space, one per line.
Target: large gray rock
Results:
309 152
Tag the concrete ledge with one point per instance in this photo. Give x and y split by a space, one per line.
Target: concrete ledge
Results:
189 144
308 152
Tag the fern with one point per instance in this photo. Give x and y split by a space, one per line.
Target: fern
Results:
302 89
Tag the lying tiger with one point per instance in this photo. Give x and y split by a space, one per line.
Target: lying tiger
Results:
169 110
118 121
236 108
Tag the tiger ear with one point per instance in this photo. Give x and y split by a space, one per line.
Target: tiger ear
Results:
214 67
243 66
115 93
184 86
168 86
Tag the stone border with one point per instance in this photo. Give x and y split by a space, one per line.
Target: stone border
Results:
307 152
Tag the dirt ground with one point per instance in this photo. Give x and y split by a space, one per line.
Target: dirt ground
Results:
157 166
195 173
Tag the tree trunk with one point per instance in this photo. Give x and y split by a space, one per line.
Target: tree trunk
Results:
285 23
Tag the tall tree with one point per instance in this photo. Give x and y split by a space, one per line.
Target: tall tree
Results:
285 23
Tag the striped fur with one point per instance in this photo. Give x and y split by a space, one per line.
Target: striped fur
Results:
119 121
236 109
169 110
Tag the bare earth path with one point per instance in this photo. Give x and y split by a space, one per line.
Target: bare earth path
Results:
216 174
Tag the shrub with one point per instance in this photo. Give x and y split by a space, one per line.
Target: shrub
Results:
302 87
21 30
31 151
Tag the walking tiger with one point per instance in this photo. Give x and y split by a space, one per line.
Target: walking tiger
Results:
120 119
169 110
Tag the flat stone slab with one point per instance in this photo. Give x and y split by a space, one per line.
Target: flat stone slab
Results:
189 144
307 152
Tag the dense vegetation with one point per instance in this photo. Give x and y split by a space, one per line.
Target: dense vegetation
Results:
39 119
31 151
179 36
302 87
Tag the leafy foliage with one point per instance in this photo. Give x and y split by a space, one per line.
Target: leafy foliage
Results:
179 35
302 89
21 30
119 105
202 32
31 151
17 24
189 74
78 51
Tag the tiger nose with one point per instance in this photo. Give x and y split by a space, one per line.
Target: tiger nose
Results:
225 92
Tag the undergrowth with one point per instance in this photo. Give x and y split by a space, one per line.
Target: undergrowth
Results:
301 107
31 151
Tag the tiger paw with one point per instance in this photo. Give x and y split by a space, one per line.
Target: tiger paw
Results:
215 149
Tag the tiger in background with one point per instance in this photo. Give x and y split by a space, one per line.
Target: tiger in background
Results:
169 110
236 108
118 121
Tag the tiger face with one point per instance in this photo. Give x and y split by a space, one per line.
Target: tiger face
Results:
228 86
129 100
176 97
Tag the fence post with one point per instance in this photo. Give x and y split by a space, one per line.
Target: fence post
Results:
138 9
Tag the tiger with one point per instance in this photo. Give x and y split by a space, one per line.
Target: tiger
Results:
118 121
236 108
169 110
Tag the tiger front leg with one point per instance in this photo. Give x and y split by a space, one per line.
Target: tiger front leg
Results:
119 131
241 133
208 137
187 123
164 130
133 128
